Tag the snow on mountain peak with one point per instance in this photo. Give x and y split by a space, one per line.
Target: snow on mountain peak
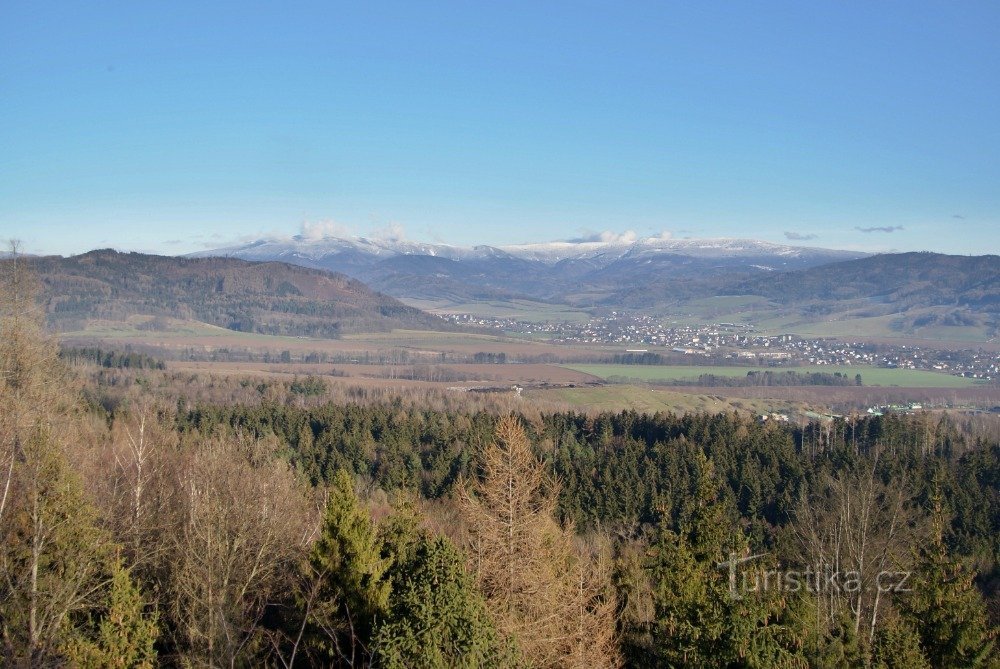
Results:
605 247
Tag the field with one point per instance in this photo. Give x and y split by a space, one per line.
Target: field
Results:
453 375
524 310
874 326
870 376
181 334
550 375
650 400
183 338
137 327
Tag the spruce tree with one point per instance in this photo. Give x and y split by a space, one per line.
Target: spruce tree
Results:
897 646
945 608
125 634
436 618
353 588
712 609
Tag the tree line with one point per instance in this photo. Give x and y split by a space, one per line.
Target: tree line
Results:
755 378
74 355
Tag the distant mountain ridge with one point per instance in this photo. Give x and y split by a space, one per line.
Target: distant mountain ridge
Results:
549 252
909 292
583 272
268 298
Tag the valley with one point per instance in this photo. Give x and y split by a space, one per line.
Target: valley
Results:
238 318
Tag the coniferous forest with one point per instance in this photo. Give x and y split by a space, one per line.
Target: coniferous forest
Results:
297 531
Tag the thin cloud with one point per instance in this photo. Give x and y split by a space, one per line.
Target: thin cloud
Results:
958 216
324 229
393 232
885 228
606 237
799 236
173 242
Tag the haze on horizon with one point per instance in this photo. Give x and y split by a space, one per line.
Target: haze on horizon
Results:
183 127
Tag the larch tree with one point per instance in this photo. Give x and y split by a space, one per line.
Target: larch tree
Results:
549 597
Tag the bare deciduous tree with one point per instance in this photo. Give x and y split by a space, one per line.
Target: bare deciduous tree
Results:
857 527
31 388
242 523
53 556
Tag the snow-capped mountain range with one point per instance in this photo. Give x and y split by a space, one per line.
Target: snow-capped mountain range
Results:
315 249
582 271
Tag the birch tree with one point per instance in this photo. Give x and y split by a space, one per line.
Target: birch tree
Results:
241 525
854 532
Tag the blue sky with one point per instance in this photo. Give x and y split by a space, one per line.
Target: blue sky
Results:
176 126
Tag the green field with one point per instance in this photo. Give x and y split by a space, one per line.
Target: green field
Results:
852 319
870 376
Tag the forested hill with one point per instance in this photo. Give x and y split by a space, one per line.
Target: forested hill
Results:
268 298
902 279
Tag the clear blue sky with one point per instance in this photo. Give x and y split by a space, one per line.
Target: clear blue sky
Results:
172 126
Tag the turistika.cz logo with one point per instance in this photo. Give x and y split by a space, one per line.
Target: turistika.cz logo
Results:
814 579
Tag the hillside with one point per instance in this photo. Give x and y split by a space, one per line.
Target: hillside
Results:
925 295
267 298
904 280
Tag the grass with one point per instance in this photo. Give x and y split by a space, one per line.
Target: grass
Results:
870 376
